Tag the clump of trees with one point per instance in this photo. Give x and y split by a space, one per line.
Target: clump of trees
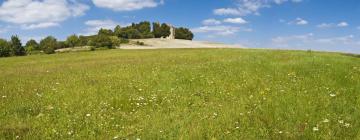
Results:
105 38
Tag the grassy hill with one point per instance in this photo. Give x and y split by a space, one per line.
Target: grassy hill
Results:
181 94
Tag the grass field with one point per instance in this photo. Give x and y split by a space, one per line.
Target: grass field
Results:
181 94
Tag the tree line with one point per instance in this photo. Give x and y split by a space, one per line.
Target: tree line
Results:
105 38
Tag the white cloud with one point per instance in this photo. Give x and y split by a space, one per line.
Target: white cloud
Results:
93 26
332 25
299 21
40 25
220 30
127 5
32 14
235 20
343 24
337 40
287 39
308 41
227 11
211 22
247 7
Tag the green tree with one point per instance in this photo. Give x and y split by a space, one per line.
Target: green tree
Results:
165 30
157 30
106 32
31 46
83 40
183 33
100 41
116 41
5 50
72 41
117 30
16 46
48 45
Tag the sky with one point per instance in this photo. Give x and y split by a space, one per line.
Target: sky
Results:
324 25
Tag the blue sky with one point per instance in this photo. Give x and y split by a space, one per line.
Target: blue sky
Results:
330 25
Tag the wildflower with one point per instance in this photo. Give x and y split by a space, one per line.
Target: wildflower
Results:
237 127
280 132
88 115
325 121
4 96
316 128
332 95
116 137
341 121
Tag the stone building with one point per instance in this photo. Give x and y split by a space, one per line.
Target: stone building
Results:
172 32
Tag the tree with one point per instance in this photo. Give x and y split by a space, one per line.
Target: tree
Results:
48 45
100 41
183 33
133 34
83 40
16 46
165 30
5 50
157 30
117 30
116 41
72 41
31 46
62 44
106 32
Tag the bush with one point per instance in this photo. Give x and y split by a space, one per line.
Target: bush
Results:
5 50
140 43
72 41
183 33
48 45
115 41
101 41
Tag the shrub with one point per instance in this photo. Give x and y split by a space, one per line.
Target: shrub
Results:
33 44
101 41
183 33
5 50
48 45
115 41
72 41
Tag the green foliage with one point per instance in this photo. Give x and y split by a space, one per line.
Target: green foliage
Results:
157 30
83 40
183 33
49 45
165 30
32 44
72 41
160 31
116 41
100 41
106 32
62 44
5 50
17 48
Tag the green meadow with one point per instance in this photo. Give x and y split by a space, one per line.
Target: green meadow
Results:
181 94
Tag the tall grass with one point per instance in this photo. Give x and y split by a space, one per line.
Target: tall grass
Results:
180 94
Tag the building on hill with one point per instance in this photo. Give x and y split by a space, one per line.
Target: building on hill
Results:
172 32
